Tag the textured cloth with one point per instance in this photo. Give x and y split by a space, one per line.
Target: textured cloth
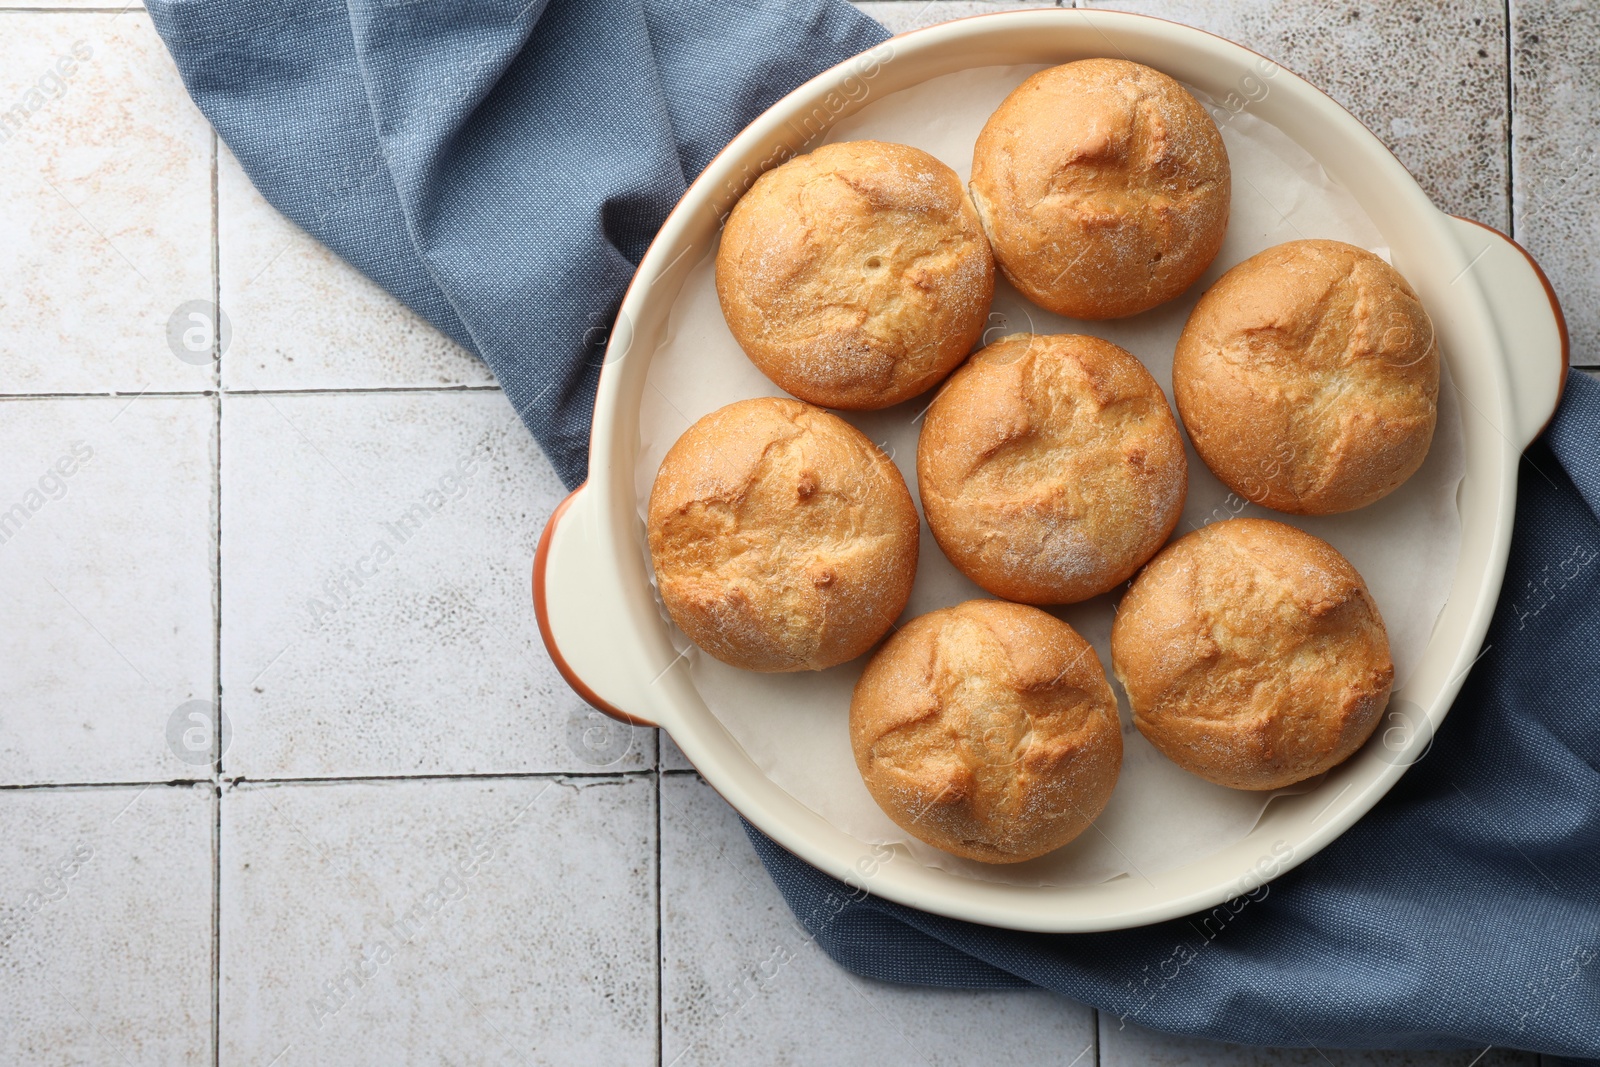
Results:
502 168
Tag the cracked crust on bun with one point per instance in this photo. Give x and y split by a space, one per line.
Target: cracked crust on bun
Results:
1104 187
856 276
988 730
1252 654
782 539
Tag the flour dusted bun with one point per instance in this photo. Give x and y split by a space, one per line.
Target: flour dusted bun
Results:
1104 187
1308 378
988 730
1252 654
782 539
1051 468
856 276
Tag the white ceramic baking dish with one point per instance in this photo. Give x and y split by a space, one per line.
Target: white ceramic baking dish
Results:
1499 327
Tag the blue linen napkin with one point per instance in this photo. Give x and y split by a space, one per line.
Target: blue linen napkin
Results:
501 169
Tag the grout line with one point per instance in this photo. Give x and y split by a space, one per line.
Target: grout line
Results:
661 910
227 782
487 387
110 394
216 275
238 780
216 648
1511 154
216 928
175 783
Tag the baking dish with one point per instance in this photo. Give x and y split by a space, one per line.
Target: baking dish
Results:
1500 329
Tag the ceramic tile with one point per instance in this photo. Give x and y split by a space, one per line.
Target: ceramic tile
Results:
743 983
105 209
302 318
507 921
107 561
1556 146
1429 80
672 757
96 6
106 926
1134 1046
898 16
377 613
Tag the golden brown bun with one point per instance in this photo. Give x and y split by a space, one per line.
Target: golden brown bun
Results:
1051 468
782 539
1308 378
1252 654
988 730
1104 187
857 276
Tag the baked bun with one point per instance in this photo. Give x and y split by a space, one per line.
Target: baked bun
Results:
1051 468
1104 187
988 730
782 539
857 276
1308 378
1252 654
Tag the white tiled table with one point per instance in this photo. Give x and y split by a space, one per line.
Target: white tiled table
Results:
418 846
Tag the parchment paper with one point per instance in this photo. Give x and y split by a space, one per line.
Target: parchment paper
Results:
795 726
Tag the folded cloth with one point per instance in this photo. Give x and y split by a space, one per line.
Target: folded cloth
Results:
502 168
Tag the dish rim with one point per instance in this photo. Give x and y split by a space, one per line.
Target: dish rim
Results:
1475 344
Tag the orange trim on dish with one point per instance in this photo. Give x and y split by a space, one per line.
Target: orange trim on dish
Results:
541 559
1555 309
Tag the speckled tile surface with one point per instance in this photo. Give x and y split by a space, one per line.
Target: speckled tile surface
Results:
105 197
173 543
490 921
1556 155
302 318
376 555
672 757
1428 79
106 926
107 559
738 985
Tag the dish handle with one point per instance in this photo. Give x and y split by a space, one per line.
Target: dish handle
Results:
1533 331
578 598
